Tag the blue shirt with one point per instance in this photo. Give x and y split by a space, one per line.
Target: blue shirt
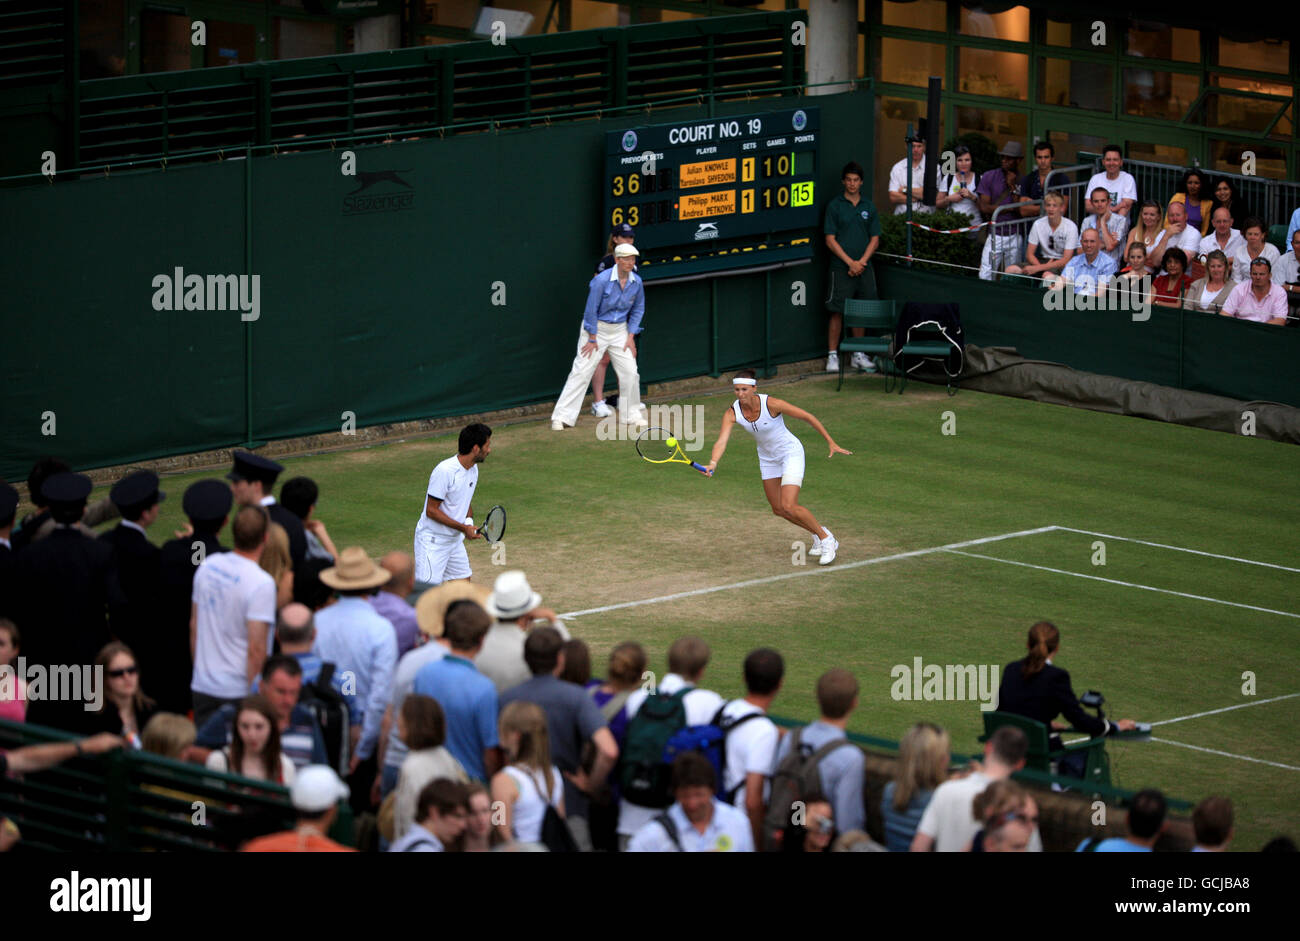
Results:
900 826
1078 270
608 302
311 665
301 741
469 700
1115 845
363 648
728 832
1290 231
842 772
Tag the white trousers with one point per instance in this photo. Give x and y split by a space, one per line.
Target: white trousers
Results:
611 337
1000 251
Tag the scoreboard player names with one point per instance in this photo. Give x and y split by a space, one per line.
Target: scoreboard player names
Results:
690 182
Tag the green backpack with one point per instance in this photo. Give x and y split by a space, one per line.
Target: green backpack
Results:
644 778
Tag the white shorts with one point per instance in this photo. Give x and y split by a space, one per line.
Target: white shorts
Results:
789 468
440 558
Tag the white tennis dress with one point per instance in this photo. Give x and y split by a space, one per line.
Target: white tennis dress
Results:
780 454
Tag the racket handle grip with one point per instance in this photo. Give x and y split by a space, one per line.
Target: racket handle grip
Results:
701 468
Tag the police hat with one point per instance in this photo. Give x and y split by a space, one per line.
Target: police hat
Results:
66 488
207 500
8 502
138 490
250 466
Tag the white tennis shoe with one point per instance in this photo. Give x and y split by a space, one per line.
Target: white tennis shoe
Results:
829 546
557 426
816 546
601 409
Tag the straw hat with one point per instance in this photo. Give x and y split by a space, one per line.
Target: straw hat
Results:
355 570
433 604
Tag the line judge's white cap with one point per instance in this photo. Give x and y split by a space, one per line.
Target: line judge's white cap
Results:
625 249
316 788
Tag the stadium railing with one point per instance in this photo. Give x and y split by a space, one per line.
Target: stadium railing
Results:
1272 200
127 800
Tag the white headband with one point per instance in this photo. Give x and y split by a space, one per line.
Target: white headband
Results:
744 382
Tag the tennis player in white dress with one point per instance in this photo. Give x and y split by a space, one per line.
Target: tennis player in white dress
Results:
780 455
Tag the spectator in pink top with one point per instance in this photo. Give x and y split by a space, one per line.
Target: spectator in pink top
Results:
13 695
1259 298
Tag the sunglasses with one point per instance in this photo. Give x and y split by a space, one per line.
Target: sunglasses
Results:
1014 815
125 671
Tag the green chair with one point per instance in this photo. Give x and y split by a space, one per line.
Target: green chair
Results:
871 315
931 343
1277 235
1040 756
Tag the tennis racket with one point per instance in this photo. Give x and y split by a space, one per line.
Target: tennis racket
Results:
494 526
658 446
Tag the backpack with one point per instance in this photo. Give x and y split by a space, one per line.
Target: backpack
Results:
711 741
556 835
330 710
797 774
643 777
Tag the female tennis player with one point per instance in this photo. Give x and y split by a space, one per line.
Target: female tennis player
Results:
780 455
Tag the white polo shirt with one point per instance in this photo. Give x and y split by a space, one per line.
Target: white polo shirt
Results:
1053 243
898 184
451 483
1241 260
728 832
229 591
751 748
1211 243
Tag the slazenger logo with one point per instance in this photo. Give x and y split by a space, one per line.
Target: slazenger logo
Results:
356 204
707 230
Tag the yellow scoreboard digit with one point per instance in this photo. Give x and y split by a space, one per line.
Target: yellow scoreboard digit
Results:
802 193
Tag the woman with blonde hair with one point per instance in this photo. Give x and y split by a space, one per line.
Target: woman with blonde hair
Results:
1210 293
922 766
529 782
1148 230
278 563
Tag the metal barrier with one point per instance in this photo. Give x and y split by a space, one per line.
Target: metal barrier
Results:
1272 200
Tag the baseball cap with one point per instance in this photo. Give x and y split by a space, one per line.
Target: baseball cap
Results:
625 249
316 788
624 230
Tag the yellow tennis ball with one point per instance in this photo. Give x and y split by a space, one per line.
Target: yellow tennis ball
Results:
671 442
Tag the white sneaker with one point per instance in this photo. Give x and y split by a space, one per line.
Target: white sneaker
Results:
816 546
601 410
863 362
829 545
557 426
833 362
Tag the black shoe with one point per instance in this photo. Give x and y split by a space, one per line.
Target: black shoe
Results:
612 400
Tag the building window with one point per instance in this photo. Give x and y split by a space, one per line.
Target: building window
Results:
997 126
998 74
230 43
891 128
1167 154
1270 159
1231 112
300 39
164 41
904 62
1151 94
587 14
1011 25
1068 144
1270 55
1075 35
1158 41
919 14
102 39
1068 83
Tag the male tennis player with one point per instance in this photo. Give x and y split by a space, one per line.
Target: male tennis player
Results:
447 520
780 455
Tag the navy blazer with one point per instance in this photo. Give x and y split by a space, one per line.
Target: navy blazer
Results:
1044 696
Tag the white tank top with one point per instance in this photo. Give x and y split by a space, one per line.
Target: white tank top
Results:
774 440
531 805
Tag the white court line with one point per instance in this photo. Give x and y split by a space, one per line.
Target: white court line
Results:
1214 712
1161 545
814 570
1225 754
1114 581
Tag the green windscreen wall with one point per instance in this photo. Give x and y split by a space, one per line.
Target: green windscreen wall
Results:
1182 349
387 311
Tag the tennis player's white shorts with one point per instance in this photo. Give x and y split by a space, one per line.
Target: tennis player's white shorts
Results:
789 468
440 558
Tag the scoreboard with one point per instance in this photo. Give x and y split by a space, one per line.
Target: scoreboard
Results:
684 185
